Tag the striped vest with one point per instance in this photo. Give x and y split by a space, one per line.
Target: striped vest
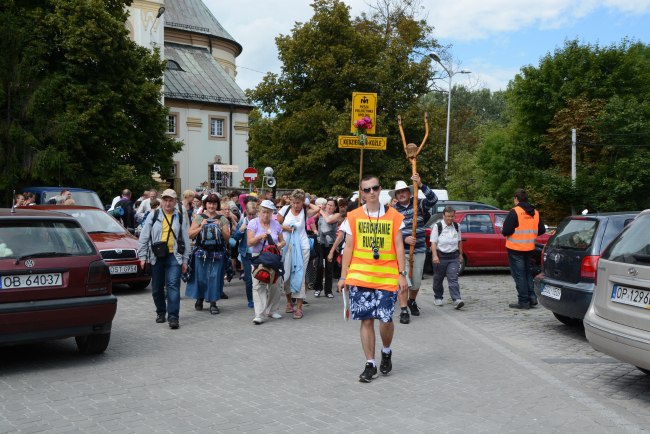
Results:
523 238
364 270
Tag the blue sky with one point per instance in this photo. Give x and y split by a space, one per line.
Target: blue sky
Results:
491 38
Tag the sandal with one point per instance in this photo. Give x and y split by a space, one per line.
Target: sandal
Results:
297 314
289 308
214 309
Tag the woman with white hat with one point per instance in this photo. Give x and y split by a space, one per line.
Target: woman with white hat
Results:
266 296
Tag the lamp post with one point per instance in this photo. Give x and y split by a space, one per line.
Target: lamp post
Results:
450 74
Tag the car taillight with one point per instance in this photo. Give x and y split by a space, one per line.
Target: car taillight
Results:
589 267
99 277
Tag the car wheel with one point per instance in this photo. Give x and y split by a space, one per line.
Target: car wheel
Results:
571 322
139 285
93 344
645 371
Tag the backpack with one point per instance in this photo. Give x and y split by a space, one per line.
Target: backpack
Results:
210 236
117 212
268 264
439 224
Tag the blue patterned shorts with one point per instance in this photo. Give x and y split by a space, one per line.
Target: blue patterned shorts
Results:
367 303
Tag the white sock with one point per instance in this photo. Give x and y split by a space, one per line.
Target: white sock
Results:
385 350
372 361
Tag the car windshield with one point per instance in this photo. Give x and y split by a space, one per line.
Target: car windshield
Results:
633 245
575 234
83 198
95 221
20 238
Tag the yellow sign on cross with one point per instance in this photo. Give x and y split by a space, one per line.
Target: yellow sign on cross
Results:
372 143
364 104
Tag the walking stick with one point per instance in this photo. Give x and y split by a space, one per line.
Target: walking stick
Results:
412 152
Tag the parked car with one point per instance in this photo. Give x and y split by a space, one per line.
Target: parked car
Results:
53 282
81 196
617 322
569 261
459 205
483 244
116 245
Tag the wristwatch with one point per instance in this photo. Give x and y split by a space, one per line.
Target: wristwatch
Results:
404 273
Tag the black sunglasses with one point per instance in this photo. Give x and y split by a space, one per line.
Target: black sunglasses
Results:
373 188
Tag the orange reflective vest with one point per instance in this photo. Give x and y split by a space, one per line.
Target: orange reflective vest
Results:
523 238
364 270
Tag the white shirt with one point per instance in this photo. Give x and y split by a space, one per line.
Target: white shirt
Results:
116 199
299 223
145 206
449 238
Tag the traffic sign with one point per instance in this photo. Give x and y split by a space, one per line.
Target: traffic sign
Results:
250 174
372 143
364 104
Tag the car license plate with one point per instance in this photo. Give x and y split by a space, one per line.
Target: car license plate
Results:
552 291
30 280
631 296
123 269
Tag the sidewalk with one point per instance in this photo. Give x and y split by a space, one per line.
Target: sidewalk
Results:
474 370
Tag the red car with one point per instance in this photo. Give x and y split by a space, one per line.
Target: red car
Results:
53 282
116 245
483 244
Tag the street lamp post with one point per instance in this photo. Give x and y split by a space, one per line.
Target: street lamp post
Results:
450 74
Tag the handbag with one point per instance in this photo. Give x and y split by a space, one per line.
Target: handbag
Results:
160 249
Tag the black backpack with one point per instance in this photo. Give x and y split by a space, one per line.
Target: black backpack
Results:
439 224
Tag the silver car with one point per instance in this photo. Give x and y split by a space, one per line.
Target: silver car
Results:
618 320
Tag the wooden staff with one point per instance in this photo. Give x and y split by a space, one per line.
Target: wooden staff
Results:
412 151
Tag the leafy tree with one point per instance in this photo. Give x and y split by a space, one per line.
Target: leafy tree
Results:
323 61
80 103
604 93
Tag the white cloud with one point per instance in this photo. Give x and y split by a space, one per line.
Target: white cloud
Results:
479 19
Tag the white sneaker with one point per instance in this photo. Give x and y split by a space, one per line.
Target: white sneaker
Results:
257 320
275 315
437 301
458 304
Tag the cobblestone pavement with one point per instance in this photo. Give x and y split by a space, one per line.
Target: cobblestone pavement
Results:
484 368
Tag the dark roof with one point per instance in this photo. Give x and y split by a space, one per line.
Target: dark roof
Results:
195 17
201 78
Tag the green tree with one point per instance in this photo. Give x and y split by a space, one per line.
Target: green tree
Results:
80 103
308 104
603 92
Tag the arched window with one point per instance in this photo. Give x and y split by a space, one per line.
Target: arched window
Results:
173 65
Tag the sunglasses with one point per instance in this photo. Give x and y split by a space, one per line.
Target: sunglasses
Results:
373 188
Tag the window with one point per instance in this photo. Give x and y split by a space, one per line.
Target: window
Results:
576 234
217 128
172 122
173 65
477 224
632 246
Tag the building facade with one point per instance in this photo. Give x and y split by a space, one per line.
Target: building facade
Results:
208 110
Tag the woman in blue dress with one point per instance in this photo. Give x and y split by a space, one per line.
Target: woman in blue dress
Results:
206 282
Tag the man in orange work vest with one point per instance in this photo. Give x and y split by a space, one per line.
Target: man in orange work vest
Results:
522 225
374 272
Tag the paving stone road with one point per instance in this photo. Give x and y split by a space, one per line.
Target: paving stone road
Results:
485 368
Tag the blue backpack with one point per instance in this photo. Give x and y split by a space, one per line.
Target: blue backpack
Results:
210 236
